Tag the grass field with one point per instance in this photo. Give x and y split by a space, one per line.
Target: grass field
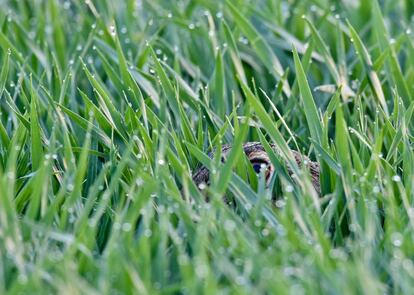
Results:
108 107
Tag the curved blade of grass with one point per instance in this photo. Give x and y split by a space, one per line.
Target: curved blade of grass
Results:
270 126
321 45
395 74
234 154
35 133
4 72
167 86
261 47
311 112
234 53
218 86
366 60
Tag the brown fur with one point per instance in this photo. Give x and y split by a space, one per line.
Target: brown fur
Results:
254 150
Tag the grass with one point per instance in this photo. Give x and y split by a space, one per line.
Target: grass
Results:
108 106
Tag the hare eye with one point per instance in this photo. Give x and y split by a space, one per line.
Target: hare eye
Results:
256 167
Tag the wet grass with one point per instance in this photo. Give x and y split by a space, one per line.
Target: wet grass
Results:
107 107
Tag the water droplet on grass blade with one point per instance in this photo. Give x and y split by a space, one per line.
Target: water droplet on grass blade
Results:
396 239
396 178
148 233
126 227
139 181
229 225
182 259
112 30
288 188
280 203
201 270
353 227
70 187
265 232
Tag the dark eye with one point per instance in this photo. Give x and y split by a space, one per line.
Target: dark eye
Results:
257 166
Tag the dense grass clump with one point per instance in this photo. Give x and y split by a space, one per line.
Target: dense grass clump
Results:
107 107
